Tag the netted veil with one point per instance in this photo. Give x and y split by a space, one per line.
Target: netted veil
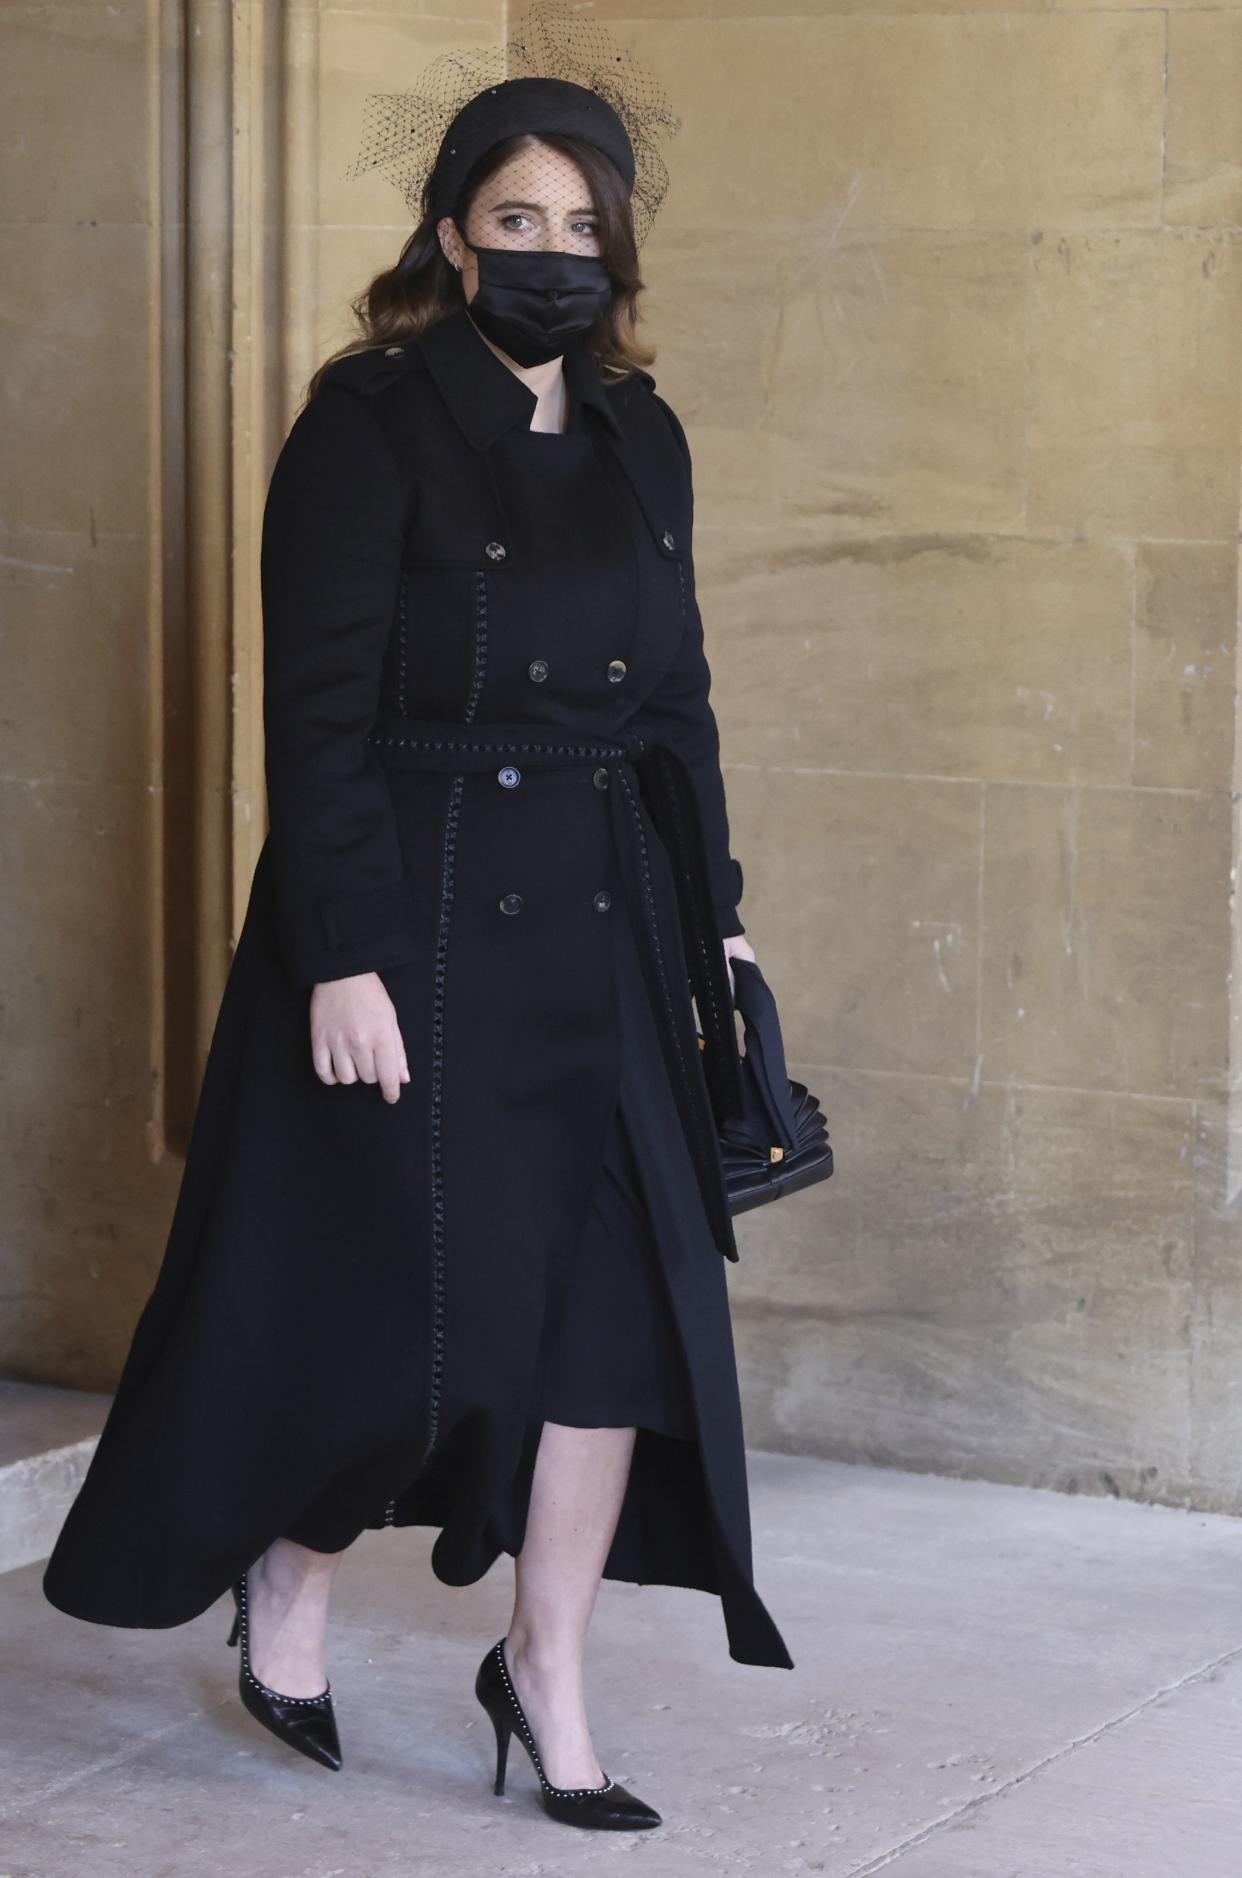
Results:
403 130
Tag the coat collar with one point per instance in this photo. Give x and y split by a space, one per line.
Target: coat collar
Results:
485 396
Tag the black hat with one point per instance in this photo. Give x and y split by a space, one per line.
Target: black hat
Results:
518 106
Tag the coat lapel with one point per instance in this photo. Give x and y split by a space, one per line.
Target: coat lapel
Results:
485 396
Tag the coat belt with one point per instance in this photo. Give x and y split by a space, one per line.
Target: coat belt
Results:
667 891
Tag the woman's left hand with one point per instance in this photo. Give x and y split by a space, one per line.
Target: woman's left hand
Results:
738 947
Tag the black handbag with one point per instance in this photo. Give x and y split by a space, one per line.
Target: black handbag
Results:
779 1141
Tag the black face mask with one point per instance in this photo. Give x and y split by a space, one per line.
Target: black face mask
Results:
536 303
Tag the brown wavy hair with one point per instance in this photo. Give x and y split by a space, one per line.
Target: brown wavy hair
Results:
423 285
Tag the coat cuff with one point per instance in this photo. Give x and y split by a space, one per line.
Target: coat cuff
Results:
727 919
361 931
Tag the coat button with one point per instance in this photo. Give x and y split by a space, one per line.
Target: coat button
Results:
600 778
510 902
393 352
616 671
495 550
668 538
508 777
602 900
538 670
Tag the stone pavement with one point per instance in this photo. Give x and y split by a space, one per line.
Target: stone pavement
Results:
989 1682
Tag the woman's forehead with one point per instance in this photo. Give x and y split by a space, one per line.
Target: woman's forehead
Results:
540 176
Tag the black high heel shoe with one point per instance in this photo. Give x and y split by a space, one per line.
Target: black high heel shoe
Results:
610 1805
305 1722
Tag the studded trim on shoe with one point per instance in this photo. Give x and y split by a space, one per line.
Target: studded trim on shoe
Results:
563 1793
303 1701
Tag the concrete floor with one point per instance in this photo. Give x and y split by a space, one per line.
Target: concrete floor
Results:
989 1682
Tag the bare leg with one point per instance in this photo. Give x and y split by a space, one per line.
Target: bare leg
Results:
577 1487
287 1592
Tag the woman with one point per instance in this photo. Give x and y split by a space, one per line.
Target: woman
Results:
448 1246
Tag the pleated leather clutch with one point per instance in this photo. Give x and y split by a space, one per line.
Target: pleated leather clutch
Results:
779 1141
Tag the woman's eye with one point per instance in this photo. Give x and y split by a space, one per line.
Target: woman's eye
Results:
515 216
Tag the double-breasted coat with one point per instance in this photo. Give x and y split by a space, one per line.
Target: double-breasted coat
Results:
493 778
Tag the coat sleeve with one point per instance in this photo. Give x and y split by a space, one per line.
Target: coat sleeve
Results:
679 711
333 531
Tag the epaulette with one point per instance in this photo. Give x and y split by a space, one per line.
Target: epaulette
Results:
374 368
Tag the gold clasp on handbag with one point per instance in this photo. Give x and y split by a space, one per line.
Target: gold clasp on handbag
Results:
776 1154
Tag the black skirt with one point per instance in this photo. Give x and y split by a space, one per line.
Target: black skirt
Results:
612 1357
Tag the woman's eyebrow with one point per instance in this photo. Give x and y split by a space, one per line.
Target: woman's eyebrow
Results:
538 208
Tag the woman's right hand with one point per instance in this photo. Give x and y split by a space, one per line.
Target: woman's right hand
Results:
355 1036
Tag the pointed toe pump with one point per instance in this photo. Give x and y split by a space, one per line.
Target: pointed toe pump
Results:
304 1722
610 1806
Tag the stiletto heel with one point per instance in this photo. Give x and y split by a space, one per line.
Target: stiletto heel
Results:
502 1752
611 1805
304 1722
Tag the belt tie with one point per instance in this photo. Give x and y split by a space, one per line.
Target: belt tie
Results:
668 893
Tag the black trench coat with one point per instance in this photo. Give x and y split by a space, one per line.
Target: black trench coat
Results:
493 778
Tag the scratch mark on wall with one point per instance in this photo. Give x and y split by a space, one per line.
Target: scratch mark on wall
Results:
1069 874
35 567
1027 693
